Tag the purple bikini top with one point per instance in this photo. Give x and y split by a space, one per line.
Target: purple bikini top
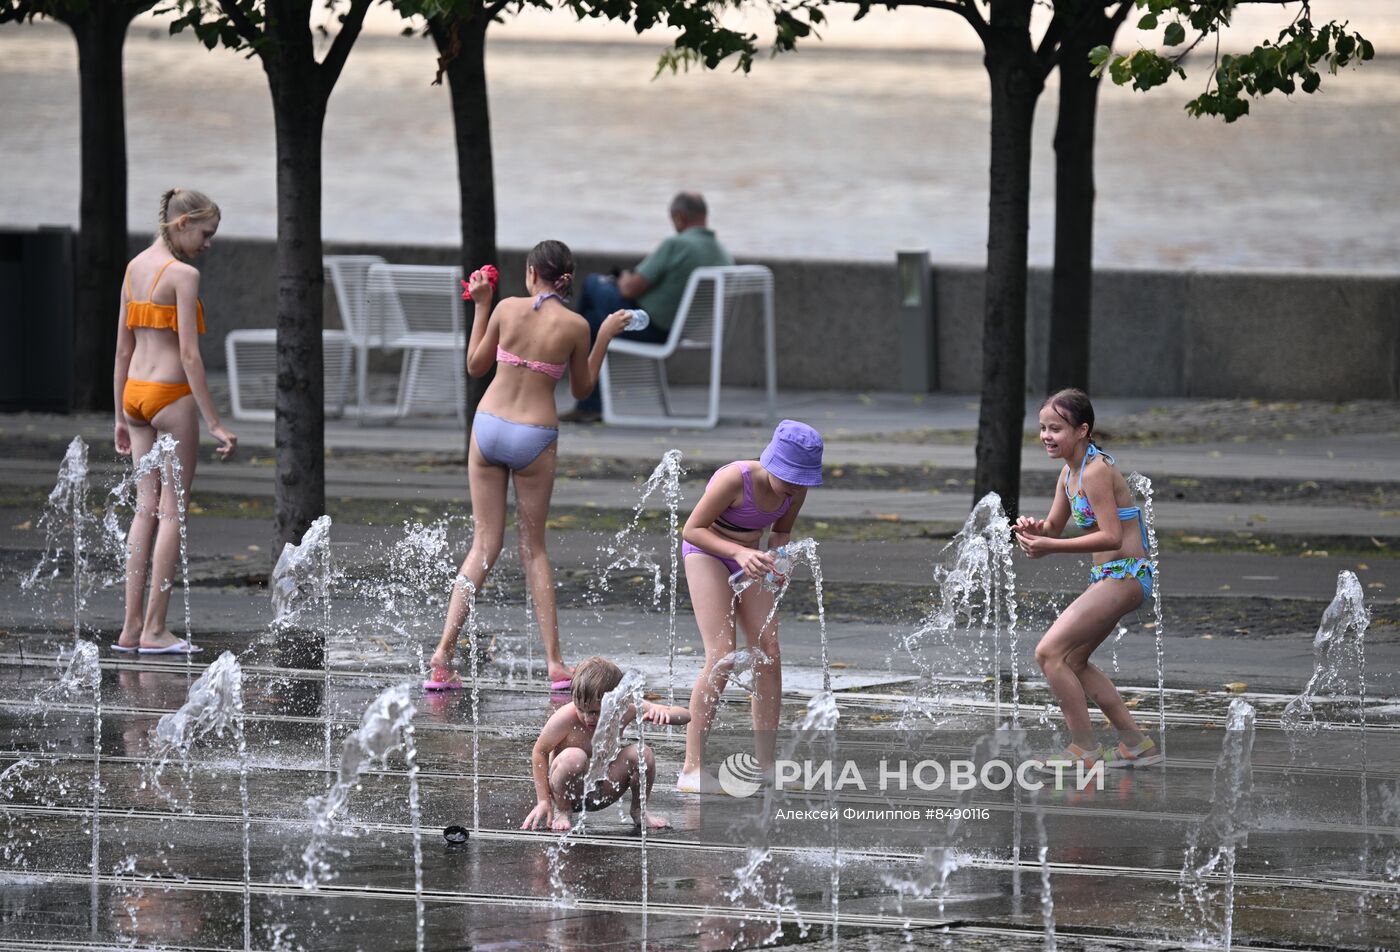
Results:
747 517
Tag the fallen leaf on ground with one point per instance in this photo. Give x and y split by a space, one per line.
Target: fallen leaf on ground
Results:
1133 703
1375 585
1198 540
1362 567
838 472
26 525
1208 637
887 516
685 649
838 664
1313 554
1224 588
1236 687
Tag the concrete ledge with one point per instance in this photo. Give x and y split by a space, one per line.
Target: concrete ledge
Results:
1156 333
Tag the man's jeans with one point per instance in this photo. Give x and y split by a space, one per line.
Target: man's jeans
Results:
597 298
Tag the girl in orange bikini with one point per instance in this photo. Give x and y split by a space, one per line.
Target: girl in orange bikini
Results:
159 386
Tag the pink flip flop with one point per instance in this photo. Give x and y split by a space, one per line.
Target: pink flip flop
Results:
562 685
444 679
178 647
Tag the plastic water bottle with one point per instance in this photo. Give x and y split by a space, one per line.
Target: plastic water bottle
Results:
638 320
772 581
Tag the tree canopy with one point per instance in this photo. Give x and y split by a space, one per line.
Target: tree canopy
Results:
1292 62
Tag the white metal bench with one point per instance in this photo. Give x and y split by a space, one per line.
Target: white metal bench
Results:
633 379
418 309
252 372
348 276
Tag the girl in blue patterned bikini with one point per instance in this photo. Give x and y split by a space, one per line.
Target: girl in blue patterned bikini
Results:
1093 492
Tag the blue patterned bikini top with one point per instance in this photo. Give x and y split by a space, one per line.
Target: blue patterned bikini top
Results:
1083 513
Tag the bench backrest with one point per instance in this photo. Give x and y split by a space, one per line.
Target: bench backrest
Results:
405 300
348 275
723 294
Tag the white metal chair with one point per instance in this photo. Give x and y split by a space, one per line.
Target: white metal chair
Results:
349 275
252 372
418 309
634 373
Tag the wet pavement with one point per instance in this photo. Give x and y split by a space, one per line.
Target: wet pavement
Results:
1314 824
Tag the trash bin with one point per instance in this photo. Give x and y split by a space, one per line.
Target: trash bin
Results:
917 340
36 310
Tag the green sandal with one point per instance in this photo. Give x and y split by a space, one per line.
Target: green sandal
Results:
1144 754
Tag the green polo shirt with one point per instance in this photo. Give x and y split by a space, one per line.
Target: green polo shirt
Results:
667 270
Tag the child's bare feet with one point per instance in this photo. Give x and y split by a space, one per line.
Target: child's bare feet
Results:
130 638
655 821
560 672
698 781
563 821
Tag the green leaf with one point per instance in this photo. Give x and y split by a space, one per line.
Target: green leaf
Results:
1174 35
1148 22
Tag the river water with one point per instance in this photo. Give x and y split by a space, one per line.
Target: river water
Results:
825 153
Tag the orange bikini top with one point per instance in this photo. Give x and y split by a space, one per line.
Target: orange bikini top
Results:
148 313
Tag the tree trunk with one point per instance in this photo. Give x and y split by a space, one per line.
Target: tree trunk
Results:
299 110
1016 82
1071 298
100 256
461 45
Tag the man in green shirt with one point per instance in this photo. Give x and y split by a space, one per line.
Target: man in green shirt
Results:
656 285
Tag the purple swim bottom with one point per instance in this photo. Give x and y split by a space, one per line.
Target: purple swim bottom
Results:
687 549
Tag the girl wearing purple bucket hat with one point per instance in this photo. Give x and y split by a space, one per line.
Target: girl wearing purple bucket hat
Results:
722 537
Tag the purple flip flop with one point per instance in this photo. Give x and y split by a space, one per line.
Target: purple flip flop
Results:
124 649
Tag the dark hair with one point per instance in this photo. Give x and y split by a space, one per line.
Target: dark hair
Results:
554 263
1074 408
689 205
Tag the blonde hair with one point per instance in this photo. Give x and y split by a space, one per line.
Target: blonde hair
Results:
177 203
594 678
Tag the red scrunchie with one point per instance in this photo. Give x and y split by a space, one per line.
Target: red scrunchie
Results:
492 275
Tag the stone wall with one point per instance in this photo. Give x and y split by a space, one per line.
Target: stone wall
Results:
1156 333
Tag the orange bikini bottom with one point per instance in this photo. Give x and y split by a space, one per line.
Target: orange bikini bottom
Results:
143 399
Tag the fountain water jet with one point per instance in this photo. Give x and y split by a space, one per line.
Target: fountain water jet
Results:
301 578
214 705
978 574
1211 847
65 511
1339 647
1141 486
387 725
624 552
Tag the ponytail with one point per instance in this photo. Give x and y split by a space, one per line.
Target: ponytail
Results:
177 203
554 263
